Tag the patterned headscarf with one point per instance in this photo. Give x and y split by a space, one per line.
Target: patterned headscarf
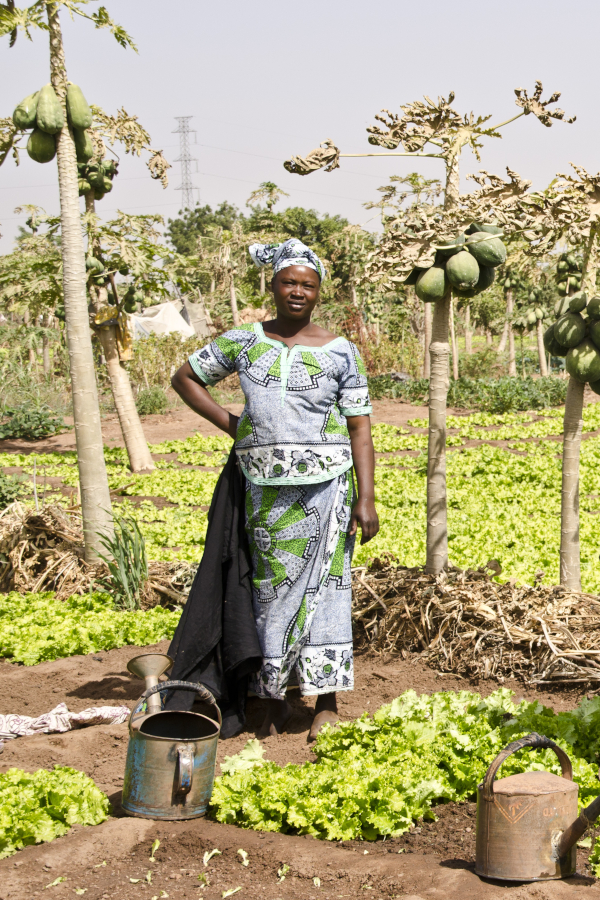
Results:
290 253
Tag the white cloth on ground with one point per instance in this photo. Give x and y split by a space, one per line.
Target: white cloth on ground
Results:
60 719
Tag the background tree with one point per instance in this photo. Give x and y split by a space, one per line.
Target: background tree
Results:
437 125
263 219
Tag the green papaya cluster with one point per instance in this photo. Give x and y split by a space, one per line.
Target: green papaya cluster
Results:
98 275
96 175
568 273
43 113
576 336
467 264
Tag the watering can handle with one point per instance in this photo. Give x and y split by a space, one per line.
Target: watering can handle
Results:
530 740
204 693
185 770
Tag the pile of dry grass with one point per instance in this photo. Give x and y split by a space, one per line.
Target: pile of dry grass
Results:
43 551
466 623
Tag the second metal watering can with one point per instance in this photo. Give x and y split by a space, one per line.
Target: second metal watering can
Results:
527 824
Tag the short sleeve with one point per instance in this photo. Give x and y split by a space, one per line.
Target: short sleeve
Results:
220 358
353 390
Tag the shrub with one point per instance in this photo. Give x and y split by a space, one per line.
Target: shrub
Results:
151 401
10 488
30 423
494 395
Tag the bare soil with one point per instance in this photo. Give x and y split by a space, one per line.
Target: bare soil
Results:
434 859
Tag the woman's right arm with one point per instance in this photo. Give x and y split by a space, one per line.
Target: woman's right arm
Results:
186 383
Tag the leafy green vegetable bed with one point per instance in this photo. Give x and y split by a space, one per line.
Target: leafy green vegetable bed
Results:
502 505
374 776
41 806
36 627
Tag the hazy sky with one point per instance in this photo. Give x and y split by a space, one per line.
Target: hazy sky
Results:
265 80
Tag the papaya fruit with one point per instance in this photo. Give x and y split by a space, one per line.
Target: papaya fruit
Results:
412 278
583 361
539 312
431 284
562 287
487 252
551 344
124 270
98 195
84 186
130 306
578 301
595 385
449 248
110 167
569 330
96 179
49 114
530 317
572 262
78 111
486 279
107 185
84 147
562 266
593 308
94 265
41 146
462 270
490 229
24 114
594 332
139 296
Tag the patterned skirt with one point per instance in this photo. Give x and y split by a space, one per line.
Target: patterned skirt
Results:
302 590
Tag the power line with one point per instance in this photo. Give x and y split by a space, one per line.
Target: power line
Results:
187 186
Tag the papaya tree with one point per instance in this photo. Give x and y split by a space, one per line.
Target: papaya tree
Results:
404 250
569 211
56 115
263 219
136 244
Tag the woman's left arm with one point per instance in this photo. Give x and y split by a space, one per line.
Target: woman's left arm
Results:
363 455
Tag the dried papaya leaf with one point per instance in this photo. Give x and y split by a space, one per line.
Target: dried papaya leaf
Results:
539 108
123 128
158 166
326 156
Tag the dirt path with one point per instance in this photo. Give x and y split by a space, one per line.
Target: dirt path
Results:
180 423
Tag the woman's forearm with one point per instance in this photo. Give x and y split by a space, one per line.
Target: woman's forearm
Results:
363 455
186 383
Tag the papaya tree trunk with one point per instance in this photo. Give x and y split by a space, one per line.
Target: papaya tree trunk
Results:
362 328
570 557
140 459
488 337
541 349
454 342
570 567
233 300
46 348
427 340
468 332
95 495
437 512
512 356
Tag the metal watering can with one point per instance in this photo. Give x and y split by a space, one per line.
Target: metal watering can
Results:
527 824
171 756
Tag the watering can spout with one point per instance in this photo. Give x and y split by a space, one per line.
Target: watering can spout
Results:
571 835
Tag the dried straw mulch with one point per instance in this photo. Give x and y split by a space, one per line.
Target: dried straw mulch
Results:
466 623
43 551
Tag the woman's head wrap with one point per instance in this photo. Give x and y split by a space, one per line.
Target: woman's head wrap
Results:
290 253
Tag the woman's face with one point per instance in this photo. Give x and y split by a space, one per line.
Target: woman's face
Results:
295 291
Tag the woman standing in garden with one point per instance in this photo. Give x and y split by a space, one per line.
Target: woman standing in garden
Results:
304 428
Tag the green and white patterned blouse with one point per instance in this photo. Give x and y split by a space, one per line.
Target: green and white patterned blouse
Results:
293 427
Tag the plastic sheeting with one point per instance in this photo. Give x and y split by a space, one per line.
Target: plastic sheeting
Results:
160 319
